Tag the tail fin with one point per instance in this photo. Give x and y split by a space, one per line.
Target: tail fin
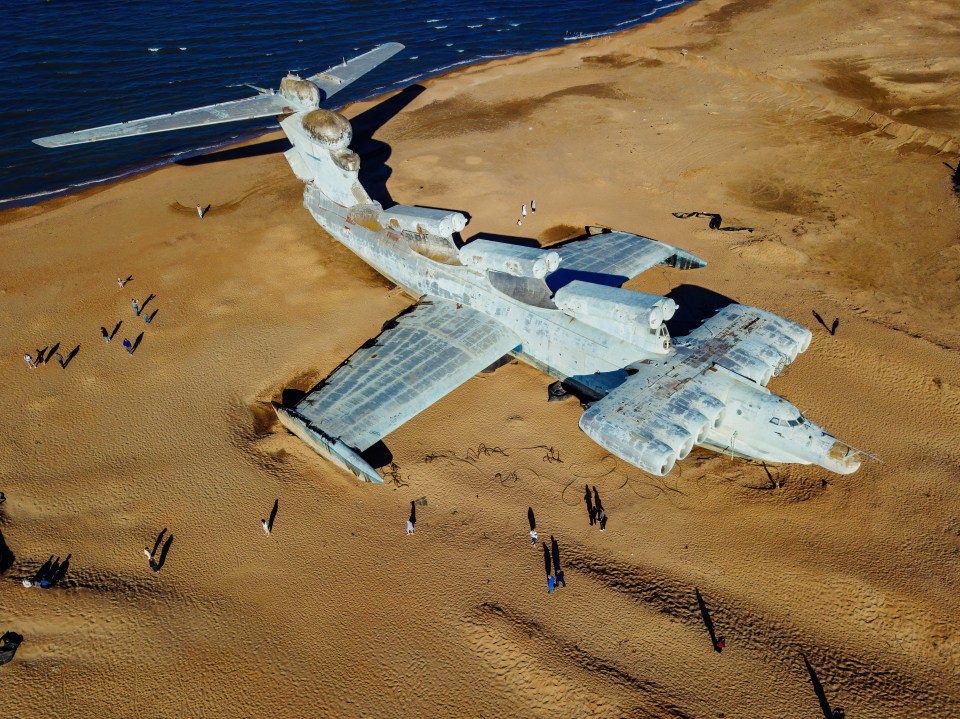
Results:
291 98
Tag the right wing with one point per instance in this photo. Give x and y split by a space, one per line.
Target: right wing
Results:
423 356
619 255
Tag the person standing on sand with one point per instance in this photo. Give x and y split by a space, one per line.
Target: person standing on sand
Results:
588 498
533 205
551 582
533 526
136 307
104 334
28 358
523 210
60 360
128 345
602 516
555 551
200 211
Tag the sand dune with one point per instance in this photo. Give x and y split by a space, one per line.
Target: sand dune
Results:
823 126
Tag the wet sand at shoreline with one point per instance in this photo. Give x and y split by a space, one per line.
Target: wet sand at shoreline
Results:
824 127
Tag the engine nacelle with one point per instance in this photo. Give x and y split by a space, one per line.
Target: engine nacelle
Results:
489 256
635 317
423 220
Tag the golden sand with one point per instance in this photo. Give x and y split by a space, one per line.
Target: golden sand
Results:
823 125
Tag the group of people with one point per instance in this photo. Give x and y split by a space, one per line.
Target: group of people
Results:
551 555
50 574
595 508
44 356
138 309
523 211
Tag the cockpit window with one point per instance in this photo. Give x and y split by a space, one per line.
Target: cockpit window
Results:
789 422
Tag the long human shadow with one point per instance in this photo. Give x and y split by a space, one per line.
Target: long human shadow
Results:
818 688
707 621
694 305
157 565
7 558
61 573
156 544
273 514
374 170
69 358
253 149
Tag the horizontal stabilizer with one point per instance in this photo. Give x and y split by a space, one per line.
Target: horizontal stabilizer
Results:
337 78
245 109
267 104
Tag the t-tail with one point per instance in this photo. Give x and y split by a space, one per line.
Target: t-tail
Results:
295 95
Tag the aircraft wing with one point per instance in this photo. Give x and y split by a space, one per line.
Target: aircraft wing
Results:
621 255
336 78
247 108
419 358
664 408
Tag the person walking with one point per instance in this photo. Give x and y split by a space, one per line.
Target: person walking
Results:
551 582
588 498
523 210
104 334
28 358
555 551
60 360
200 212
136 307
602 516
128 345
533 205
533 526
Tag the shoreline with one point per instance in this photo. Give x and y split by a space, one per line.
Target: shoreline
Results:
24 201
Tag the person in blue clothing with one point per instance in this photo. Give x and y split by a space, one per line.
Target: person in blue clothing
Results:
128 345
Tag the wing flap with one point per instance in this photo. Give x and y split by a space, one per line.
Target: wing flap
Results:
423 356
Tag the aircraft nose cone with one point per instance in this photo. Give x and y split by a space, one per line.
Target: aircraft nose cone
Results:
841 458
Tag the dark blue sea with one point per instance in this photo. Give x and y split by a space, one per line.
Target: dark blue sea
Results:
72 64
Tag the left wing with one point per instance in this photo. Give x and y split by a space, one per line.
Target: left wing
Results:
424 355
620 255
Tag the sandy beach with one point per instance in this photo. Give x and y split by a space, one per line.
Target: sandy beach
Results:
824 126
